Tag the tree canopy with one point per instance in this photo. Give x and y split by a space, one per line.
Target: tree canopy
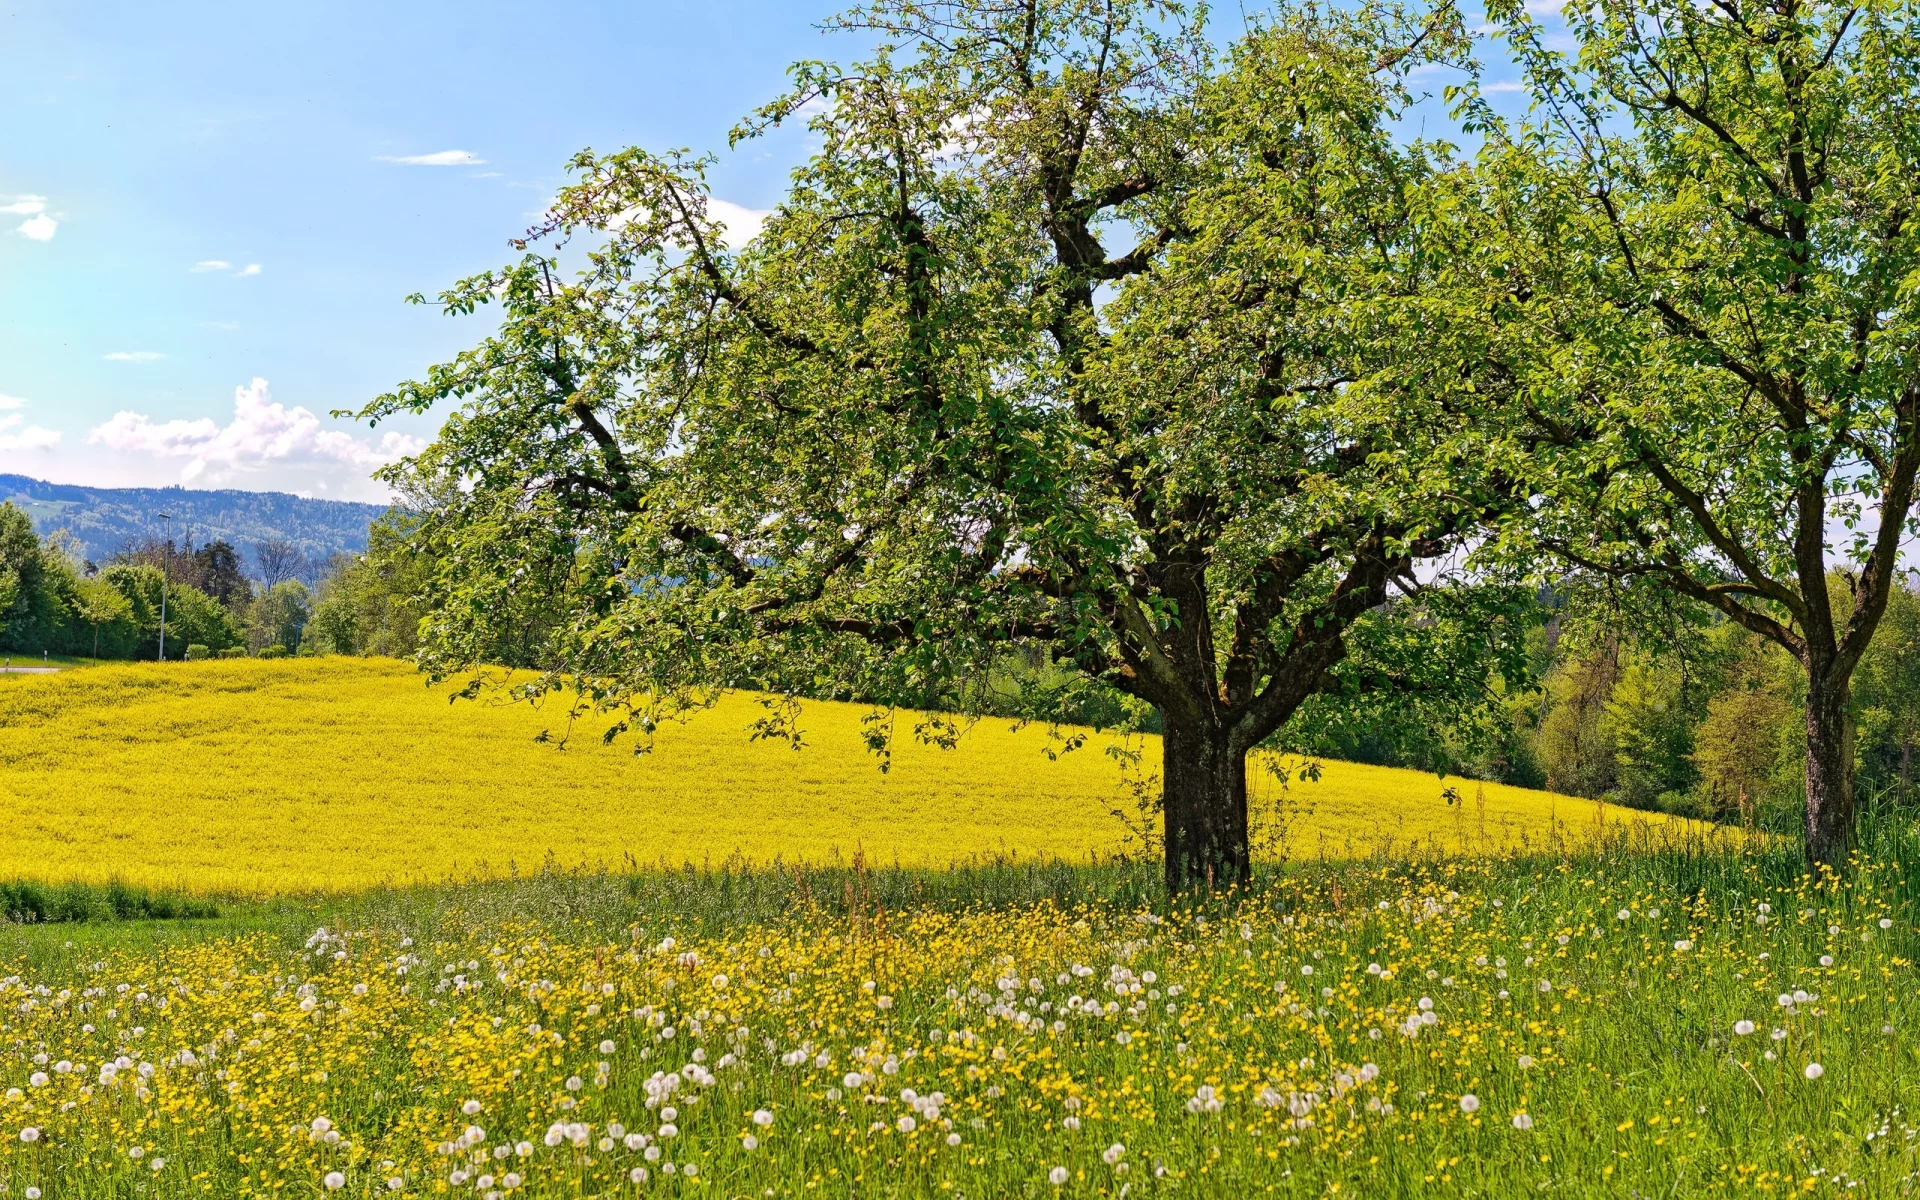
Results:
1698 293
1074 333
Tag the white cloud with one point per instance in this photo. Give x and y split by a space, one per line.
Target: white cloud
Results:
40 228
439 158
15 435
134 356
742 224
739 224
1504 86
263 436
248 270
210 264
24 206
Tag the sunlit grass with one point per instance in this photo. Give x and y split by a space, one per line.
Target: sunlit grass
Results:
1600 1024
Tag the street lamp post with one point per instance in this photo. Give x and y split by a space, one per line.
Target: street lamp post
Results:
166 577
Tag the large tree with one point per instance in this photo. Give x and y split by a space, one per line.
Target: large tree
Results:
1070 334
1701 258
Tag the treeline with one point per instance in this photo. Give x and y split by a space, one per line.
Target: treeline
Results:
217 601
1698 718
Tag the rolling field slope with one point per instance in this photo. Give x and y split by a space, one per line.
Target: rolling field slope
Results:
337 774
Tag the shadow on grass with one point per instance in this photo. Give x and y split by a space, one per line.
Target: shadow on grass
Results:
1715 866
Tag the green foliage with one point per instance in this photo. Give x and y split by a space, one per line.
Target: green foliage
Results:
1056 342
1886 695
1697 295
192 617
1648 720
1580 758
274 651
28 902
198 653
107 618
279 616
33 583
366 604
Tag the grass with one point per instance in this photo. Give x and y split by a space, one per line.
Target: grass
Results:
251 778
31 902
842 1001
60 661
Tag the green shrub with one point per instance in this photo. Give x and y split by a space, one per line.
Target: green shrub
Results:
232 652
198 653
27 902
272 652
1683 804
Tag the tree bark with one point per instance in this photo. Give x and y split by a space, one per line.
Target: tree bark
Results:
1829 814
1204 776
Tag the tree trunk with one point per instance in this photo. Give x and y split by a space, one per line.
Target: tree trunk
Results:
1829 771
1205 781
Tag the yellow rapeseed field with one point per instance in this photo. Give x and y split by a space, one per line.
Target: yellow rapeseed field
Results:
338 774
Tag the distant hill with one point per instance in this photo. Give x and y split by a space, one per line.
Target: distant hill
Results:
107 519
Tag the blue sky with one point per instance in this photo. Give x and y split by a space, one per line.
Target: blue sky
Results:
197 197
210 213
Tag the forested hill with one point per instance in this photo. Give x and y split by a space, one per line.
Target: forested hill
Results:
107 519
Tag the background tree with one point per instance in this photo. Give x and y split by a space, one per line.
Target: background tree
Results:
34 581
365 603
193 618
102 608
1887 697
217 571
1699 265
279 616
1066 338
278 560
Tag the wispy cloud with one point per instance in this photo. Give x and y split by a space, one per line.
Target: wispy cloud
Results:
15 434
23 206
439 158
263 435
209 265
134 356
1504 86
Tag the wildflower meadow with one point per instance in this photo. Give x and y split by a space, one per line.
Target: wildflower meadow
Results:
1611 1020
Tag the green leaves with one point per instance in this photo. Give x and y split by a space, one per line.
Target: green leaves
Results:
1073 335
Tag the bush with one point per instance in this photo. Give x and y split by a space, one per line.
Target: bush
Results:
27 902
272 652
232 652
198 653
1684 804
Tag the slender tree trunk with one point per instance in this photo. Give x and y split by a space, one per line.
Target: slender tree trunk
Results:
1205 780
1829 770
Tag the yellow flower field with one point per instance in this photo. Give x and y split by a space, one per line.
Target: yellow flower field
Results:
338 774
